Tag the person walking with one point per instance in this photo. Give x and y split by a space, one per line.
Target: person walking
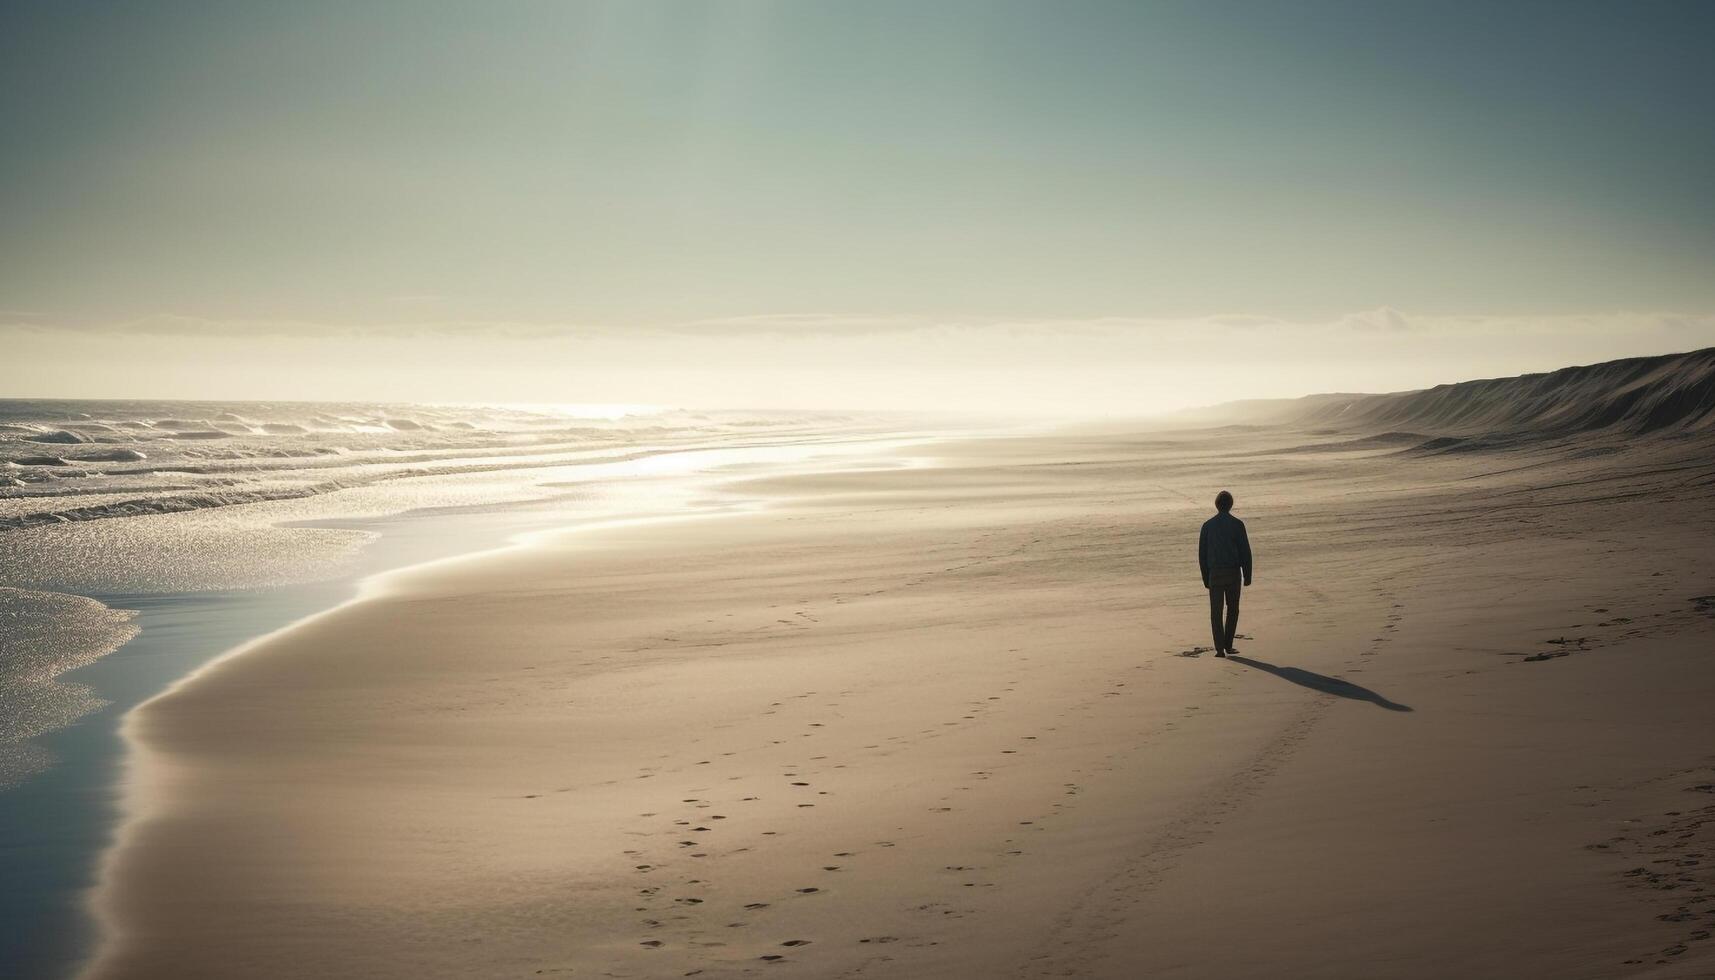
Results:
1224 553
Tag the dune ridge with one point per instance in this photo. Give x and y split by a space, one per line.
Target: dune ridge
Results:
1667 394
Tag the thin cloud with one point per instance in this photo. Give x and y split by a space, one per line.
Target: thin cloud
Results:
1382 321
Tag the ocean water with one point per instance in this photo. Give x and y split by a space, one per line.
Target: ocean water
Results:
147 497
140 539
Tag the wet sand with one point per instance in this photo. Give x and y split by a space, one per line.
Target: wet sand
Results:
951 720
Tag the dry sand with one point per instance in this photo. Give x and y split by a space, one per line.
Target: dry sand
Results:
943 722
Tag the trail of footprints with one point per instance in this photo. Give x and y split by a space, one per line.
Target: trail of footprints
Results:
697 825
1677 849
1390 625
1614 629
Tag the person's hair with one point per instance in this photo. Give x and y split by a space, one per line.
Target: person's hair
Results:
1223 501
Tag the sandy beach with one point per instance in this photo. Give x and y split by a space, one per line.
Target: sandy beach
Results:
957 719
647 489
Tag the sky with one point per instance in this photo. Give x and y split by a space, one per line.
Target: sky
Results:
1066 206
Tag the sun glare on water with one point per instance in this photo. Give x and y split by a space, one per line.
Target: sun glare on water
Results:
607 411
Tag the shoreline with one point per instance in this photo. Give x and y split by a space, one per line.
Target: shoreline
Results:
853 727
69 811
60 821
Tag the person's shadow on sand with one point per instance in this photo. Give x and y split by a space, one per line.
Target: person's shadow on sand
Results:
1322 682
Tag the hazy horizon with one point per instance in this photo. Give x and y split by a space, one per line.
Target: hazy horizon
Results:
1056 369
1078 209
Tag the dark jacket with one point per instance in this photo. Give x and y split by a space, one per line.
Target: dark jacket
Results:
1223 544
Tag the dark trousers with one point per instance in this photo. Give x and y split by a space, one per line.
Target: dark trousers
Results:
1224 589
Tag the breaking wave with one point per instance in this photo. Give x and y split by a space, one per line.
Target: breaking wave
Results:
153 458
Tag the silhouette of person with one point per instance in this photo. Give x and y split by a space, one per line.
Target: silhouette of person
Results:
1223 552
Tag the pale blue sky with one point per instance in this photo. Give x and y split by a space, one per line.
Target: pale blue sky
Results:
646 163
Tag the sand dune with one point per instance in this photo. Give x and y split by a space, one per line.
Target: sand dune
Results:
1674 393
951 720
